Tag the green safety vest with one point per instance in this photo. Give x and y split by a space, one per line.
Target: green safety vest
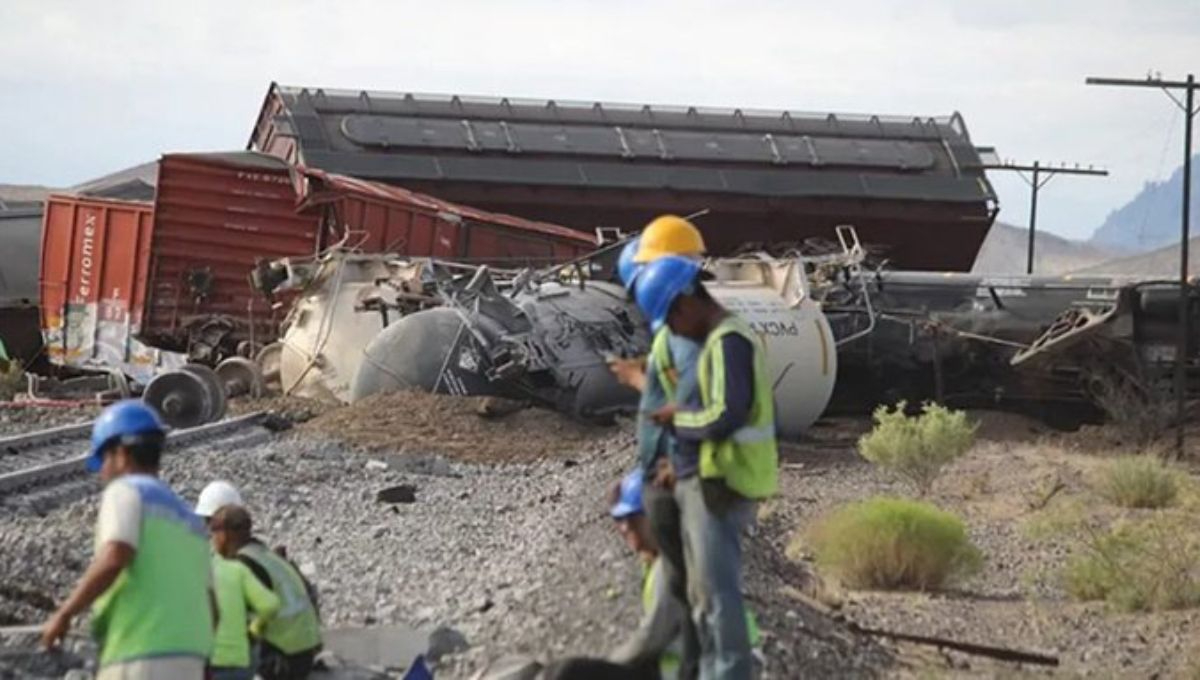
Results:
669 663
747 461
159 604
660 351
295 628
236 587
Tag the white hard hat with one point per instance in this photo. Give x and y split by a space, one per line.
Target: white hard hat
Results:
215 496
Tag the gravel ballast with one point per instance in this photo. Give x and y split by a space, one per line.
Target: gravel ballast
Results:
520 557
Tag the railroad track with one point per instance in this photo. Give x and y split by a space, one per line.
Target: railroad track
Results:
34 464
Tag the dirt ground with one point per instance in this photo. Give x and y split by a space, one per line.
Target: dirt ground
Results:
1019 476
419 423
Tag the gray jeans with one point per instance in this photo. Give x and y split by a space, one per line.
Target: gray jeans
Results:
712 520
666 522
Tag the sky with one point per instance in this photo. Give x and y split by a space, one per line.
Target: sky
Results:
87 88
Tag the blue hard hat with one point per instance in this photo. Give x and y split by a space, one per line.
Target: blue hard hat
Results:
123 419
660 282
629 503
627 269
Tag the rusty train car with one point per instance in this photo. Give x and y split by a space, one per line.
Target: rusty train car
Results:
137 285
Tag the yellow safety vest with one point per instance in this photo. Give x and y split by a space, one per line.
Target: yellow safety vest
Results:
660 351
747 461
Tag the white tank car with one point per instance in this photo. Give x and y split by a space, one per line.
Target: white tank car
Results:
772 296
328 327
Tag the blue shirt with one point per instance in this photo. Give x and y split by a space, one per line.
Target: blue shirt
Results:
739 399
655 441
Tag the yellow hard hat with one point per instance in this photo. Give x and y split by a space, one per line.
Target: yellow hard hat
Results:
669 235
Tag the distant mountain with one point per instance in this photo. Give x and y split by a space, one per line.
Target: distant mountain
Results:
1004 252
1151 219
22 193
1163 262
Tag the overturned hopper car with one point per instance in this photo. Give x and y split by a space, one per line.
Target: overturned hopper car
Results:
176 275
914 187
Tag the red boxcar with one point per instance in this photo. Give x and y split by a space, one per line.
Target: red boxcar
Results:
95 273
176 275
215 217
383 218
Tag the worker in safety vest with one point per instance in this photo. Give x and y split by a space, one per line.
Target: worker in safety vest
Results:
239 592
149 583
663 616
669 370
727 453
291 639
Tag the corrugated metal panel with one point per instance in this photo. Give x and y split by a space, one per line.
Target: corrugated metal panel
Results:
95 267
216 215
391 219
179 271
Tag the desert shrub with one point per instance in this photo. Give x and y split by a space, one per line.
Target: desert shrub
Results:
1140 415
917 448
12 379
1139 482
894 543
1143 566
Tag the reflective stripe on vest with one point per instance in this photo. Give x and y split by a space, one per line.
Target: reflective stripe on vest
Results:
751 435
159 604
748 461
660 352
295 628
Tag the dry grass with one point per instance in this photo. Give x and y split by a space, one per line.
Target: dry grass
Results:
1139 482
1149 565
894 544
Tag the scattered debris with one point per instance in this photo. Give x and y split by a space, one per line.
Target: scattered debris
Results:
444 641
1001 653
404 493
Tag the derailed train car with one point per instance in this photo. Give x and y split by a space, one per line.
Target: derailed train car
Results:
126 284
1068 350
547 340
759 176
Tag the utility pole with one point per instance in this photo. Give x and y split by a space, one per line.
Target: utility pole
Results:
1189 111
1036 184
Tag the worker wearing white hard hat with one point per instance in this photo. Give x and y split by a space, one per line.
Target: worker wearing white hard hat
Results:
215 496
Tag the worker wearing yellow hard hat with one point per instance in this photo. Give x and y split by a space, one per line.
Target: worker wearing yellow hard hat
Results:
669 372
669 235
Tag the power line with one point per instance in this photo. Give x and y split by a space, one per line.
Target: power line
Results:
1169 87
1036 183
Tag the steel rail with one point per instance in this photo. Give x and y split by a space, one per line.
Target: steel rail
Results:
75 464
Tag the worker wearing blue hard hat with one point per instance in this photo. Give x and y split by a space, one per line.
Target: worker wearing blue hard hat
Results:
627 269
659 381
149 584
664 617
726 454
